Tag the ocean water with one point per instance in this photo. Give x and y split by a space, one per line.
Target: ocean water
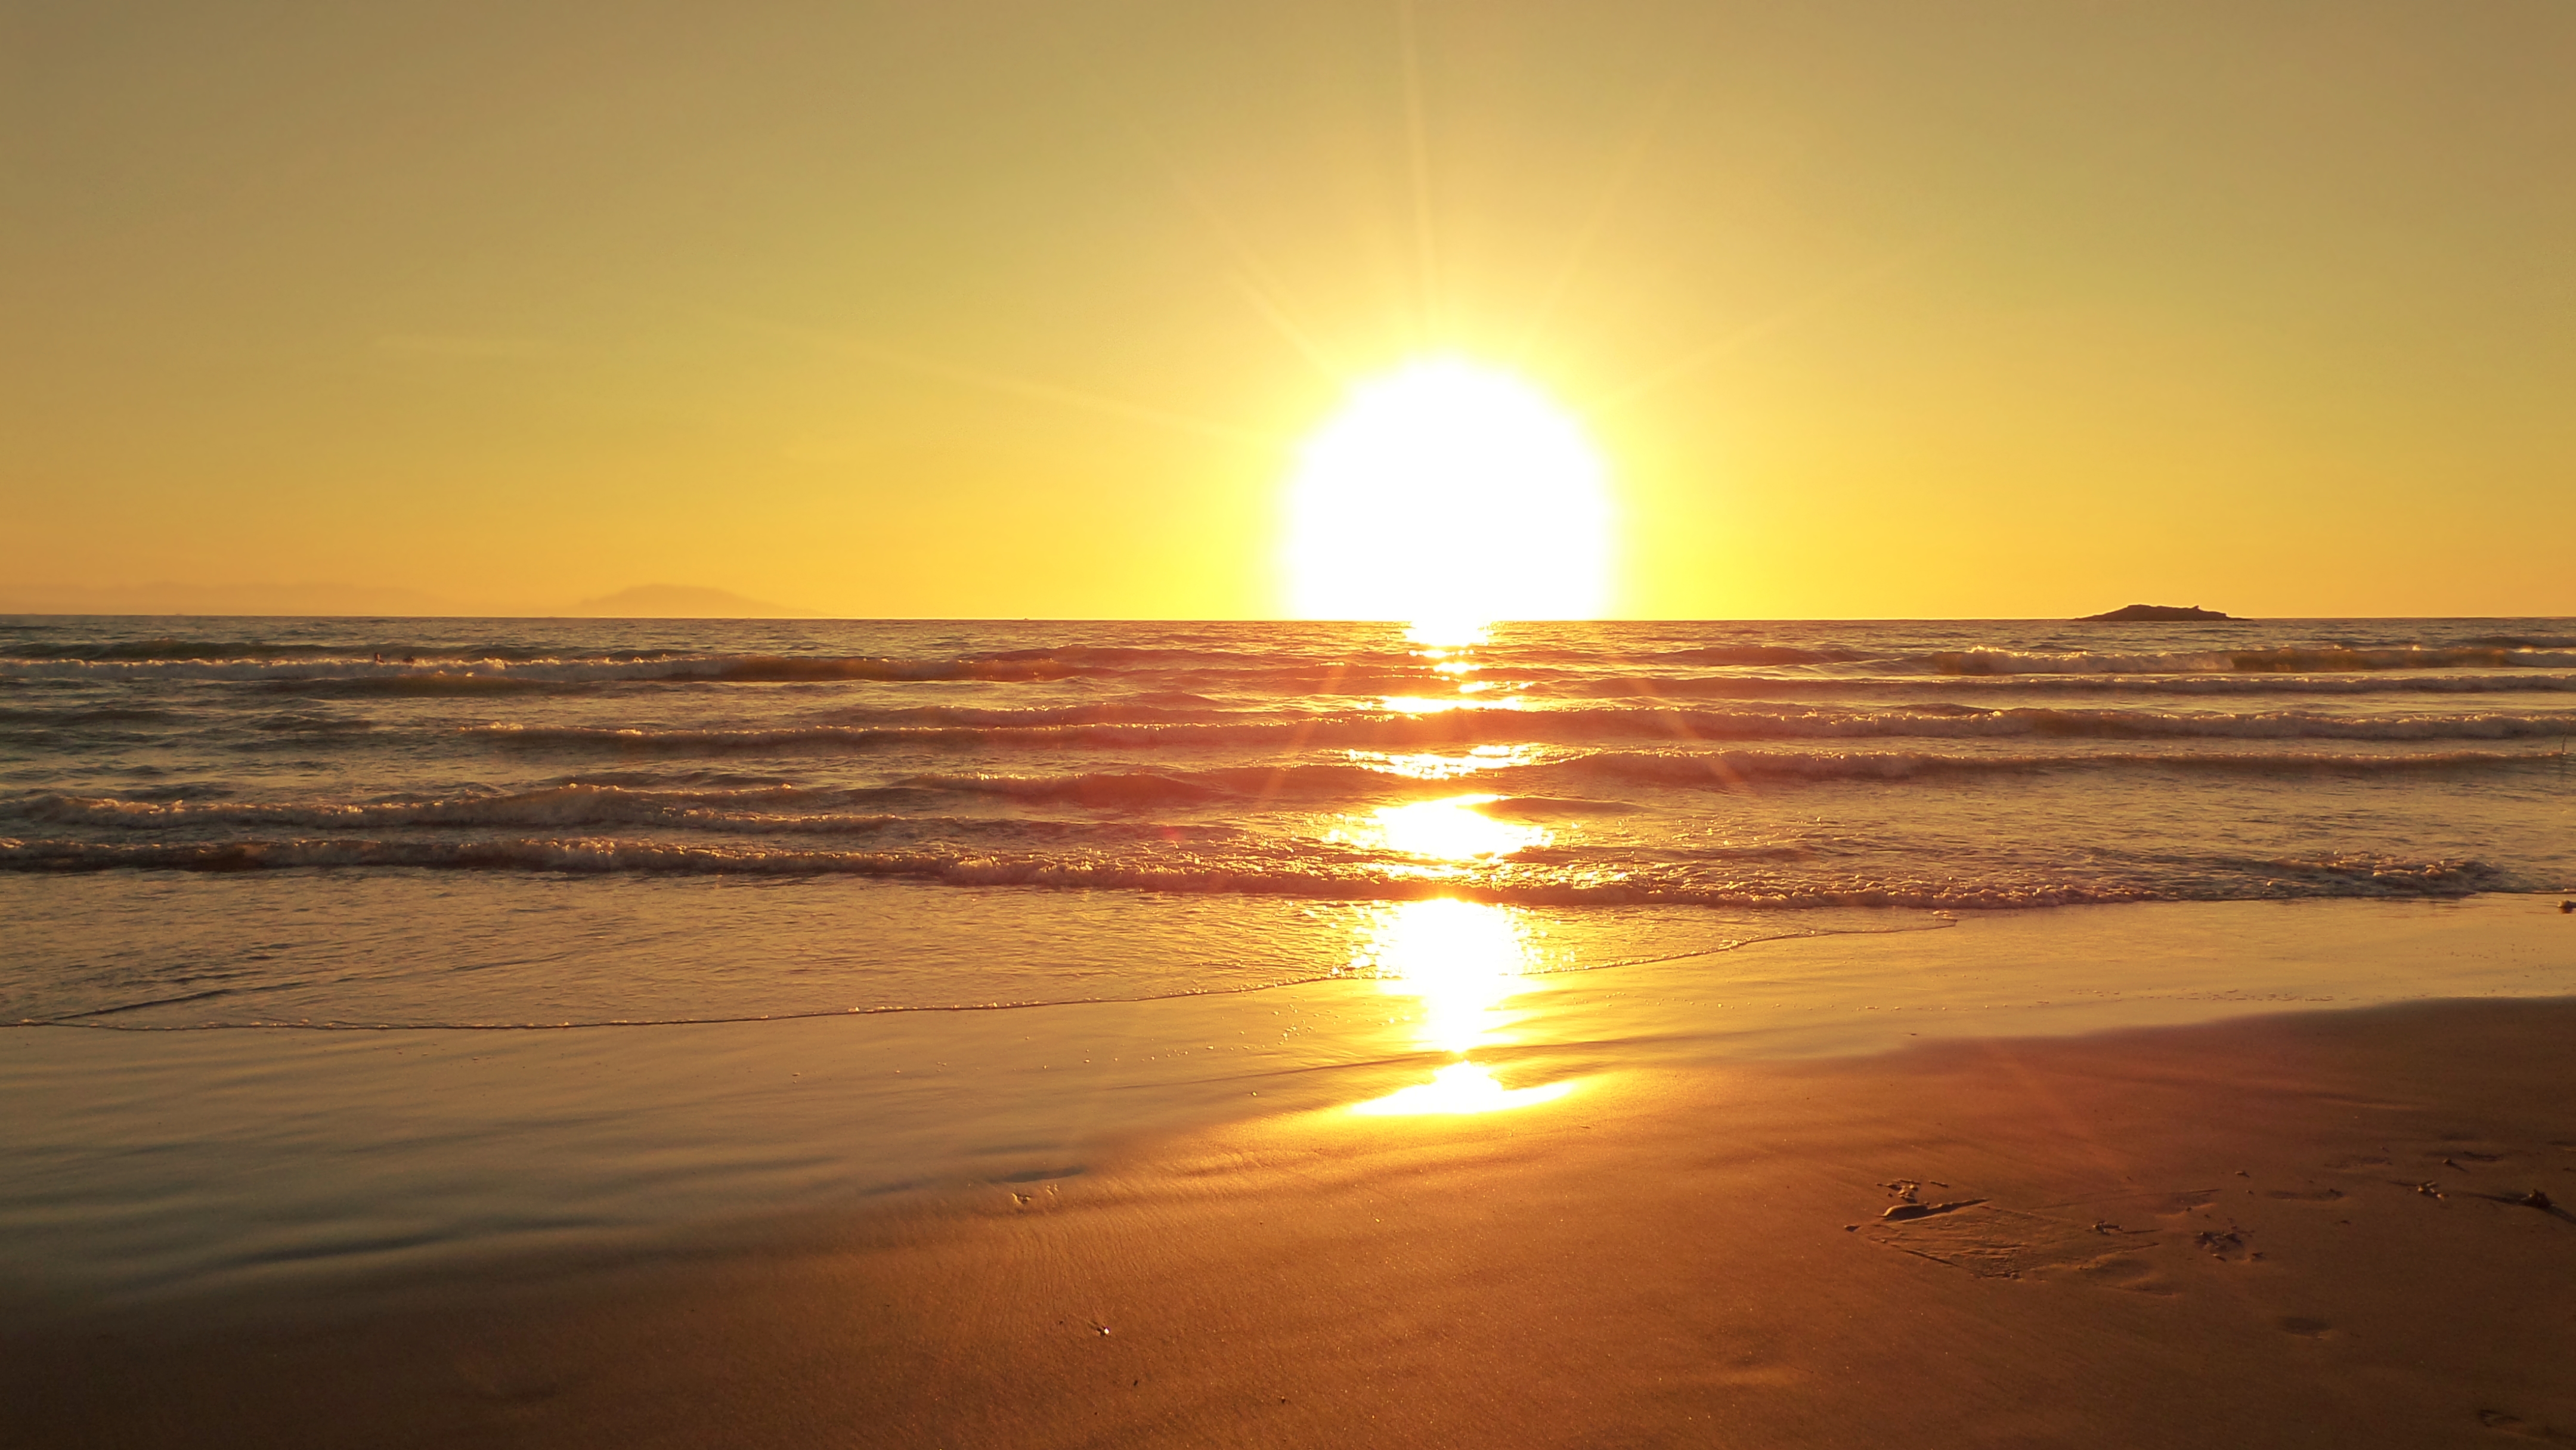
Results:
338 947
421 821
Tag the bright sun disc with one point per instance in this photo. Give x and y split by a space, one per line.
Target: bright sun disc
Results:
1448 496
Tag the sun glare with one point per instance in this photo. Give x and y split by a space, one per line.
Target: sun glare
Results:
1456 829
1448 496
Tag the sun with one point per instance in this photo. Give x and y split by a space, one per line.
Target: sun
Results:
1449 495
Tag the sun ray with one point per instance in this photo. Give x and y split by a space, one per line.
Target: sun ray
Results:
1774 321
1009 384
1326 366
1614 192
1253 277
1425 239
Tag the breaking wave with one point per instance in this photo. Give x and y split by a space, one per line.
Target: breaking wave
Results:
1136 728
1323 878
1574 785
2280 660
1343 670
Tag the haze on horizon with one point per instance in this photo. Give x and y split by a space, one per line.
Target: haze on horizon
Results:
1008 309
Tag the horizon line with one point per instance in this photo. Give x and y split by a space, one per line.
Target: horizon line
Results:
1267 619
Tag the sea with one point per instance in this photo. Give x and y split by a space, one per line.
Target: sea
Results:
246 864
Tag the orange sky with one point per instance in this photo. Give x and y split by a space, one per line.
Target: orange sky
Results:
982 309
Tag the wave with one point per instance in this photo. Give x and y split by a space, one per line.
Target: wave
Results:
1130 728
1582 776
75 716
555 806
1583 784
1144 801
740 669
1214 696
1349 879
428 685
766 810
1554 685
1753 654
1726 769
342 676
171 648
1713 670
2285 659
1238 758
860 809
314 725
397 653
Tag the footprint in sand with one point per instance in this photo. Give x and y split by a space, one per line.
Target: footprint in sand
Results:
2000 1243
2515 1425
1903 1211
2226 1244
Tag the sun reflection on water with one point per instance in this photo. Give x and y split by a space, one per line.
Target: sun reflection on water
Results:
1433 766
1461 1087
1420 705
1436 634
1453 829
1463 961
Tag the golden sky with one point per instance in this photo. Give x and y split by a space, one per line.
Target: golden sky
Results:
999 309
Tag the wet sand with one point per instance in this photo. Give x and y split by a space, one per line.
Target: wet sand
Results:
2313 1229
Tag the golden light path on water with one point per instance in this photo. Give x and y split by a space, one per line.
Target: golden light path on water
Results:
1453 495
1462 960
1454 829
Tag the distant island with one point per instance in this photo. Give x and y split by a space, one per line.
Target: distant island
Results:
2151 614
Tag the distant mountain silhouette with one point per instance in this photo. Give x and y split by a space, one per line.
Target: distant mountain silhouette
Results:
2151 614
683 601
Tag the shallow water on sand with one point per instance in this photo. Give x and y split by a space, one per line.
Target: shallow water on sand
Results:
268 1160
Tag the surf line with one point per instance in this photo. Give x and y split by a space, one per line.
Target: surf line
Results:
85 1021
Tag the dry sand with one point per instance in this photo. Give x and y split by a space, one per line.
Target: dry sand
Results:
2293 1230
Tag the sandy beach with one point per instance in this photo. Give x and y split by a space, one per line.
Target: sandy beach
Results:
1018 726
2313 1228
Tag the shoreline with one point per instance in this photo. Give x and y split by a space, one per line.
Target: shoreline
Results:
246 1166
2209 1233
